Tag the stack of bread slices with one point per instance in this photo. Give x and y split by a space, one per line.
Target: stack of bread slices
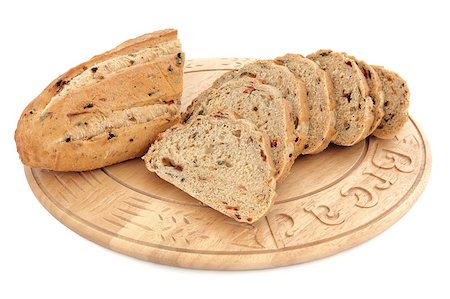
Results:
240 137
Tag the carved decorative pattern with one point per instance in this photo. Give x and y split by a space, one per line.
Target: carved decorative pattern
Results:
364 197
326 214
389 161
401 157
387 179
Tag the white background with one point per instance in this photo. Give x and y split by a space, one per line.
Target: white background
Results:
41 258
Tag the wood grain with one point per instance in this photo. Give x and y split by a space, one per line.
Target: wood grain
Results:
330 202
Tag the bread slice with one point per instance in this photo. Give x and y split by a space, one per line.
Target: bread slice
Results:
106 110
375 91
261 104
321 100
353 104
292 88
220 160
396 103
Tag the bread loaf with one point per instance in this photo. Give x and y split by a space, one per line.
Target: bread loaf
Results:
220 160
107 109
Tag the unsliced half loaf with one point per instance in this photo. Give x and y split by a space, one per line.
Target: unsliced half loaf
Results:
261 104
106 110
396 103
354 106
292 89
220 160
321 100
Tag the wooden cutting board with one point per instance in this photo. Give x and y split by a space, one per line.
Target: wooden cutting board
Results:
330 202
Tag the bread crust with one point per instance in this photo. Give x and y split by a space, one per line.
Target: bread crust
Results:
41 132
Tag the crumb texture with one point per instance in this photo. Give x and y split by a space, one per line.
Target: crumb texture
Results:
292 88
259 103
220 160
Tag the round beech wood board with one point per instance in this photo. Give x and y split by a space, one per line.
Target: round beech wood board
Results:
330 202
